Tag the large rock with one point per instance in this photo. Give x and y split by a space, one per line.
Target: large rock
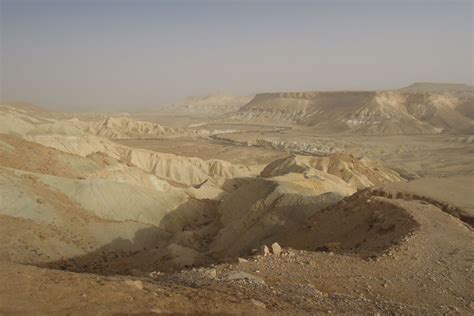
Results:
276 249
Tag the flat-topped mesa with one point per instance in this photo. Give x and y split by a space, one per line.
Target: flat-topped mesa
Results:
365 112
305 101
313 94
423 87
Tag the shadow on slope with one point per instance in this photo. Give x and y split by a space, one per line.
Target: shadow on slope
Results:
230 228
177 241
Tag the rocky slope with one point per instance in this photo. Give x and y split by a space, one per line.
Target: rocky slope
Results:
387 246
77 138
357 172
126 128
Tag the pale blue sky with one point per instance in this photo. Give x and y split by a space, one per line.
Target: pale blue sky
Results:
117 54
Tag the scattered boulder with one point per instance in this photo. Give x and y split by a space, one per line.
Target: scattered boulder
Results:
154 274
276 249
264 251
242 260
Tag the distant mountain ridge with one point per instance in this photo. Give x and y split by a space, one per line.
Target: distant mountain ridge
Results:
210 104
424 87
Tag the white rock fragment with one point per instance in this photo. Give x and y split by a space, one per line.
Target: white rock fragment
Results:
264 251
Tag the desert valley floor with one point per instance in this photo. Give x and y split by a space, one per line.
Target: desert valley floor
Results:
284 203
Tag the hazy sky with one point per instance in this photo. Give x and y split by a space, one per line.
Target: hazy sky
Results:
137 53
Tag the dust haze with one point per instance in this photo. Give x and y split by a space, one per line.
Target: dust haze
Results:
72 55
